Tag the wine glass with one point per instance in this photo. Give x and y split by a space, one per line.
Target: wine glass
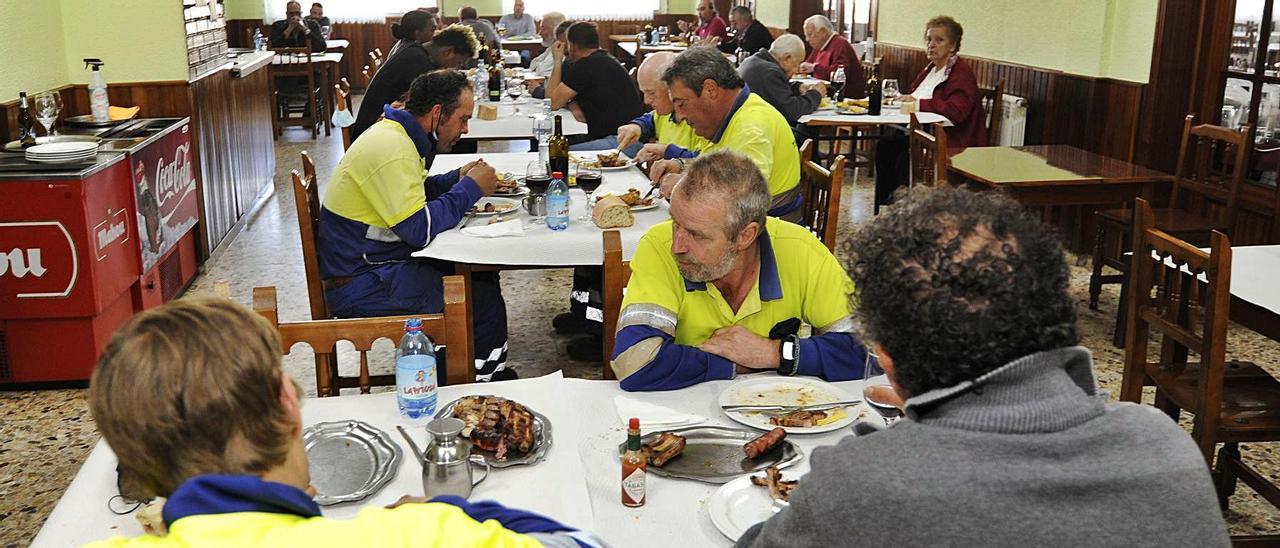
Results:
537 178
515 88
589 180
47 106
870 392
890 90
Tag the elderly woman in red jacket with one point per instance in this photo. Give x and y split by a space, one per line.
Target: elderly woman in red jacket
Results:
946 86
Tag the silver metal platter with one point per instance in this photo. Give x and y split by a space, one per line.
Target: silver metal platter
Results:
16 146
349 460
87 120
541 438
714 454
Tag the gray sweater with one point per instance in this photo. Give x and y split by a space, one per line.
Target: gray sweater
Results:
766 78
1027 455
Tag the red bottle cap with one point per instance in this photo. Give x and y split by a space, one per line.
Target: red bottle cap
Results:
557 174
633 424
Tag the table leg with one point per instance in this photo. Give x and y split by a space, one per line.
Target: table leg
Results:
464 270
328 97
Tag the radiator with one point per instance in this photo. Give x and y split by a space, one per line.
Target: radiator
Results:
1013 125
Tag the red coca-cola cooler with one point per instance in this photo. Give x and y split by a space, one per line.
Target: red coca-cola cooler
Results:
84 247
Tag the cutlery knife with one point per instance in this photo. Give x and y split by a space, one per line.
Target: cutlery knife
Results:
792 408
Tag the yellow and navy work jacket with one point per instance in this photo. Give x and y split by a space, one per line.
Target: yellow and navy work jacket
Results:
381 206
227 510
678 135
665 316
758 131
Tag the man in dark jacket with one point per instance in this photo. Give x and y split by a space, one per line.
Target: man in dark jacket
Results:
749 34
767 73
1008 440
448 48
295 32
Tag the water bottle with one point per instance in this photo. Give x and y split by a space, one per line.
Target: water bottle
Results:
870 54
259 42
542 133
482 80
558 203
416 373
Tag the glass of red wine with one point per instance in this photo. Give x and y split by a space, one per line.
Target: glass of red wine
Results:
537 178
589 180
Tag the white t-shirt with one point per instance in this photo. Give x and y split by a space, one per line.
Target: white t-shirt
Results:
931 80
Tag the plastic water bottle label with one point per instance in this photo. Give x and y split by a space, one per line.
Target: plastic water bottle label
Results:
557 212
416 385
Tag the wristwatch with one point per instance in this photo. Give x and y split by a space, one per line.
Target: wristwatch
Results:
789 361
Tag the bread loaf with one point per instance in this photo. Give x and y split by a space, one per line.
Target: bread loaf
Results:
488 112
611 212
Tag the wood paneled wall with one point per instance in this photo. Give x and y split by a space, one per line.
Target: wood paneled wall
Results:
1096 114
161 99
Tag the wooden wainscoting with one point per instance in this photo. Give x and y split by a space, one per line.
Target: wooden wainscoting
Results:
159 99
1096 114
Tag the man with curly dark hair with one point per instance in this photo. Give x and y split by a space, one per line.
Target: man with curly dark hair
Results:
1009 441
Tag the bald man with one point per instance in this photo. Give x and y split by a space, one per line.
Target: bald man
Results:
660 124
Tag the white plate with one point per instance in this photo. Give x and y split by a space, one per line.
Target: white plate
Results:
786 391
625 165
499 203
516 192
653 205
62 148
738 505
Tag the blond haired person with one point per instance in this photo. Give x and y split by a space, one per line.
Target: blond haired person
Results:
192 399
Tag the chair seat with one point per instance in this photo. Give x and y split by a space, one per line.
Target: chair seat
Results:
1168 220
1250 398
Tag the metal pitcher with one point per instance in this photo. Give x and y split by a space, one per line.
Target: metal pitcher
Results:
447 462
535 204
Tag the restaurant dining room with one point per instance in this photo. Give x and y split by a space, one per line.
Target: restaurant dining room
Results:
376 272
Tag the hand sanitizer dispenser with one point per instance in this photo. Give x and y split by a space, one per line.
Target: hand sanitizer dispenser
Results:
98 103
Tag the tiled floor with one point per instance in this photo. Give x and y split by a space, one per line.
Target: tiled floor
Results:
45 435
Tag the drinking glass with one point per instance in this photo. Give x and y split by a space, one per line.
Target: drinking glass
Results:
325 30
870 369
589 180
537 178
515 88
502 30
47 106
890 90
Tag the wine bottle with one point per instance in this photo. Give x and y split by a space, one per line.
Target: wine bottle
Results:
495 78
873 93
26 125
558 147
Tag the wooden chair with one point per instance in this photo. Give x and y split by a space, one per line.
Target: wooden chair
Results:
306 198
375 61
451 328
1183 294
1206 189
994 96
928 154
820 188
616 275
342 101
298 70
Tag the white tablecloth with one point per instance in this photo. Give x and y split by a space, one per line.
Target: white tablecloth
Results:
1252 271
519 42
510 57
326 57
887 117
577 484
336 44
578 245
510 125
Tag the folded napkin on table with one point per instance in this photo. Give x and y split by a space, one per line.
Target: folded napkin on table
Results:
122 113
514 227
651 415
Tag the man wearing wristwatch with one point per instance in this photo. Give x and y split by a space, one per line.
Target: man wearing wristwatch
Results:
723 289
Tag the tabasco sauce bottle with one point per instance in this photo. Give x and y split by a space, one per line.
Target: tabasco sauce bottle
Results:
634 467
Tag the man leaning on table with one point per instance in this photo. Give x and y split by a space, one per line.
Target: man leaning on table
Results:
712 98
722 289
594 81
830 51
381 207
294 31
1009 441
192 399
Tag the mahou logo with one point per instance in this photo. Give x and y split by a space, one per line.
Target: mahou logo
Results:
37 260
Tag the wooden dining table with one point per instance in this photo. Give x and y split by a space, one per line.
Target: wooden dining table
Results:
1255 295
326 63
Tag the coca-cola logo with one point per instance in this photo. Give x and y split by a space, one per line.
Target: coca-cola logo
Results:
37 260
173 179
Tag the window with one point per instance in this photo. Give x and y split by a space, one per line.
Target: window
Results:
1251 84
594 9
351 11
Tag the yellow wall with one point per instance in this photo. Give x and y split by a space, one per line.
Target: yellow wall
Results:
245 9
139 40
1101 38
31 46
774 13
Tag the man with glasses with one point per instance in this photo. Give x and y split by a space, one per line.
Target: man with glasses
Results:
294 31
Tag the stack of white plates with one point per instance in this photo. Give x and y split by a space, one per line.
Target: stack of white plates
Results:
62 153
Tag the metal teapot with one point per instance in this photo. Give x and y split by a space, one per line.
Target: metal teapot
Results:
447 462
535 204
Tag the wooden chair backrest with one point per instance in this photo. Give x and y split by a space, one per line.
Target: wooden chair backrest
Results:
995 96
616 275
821 194
1183 294
375 61
449 328
346 87
294 62
342 101
307 201
378 51
928 154
1211 166
368 76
